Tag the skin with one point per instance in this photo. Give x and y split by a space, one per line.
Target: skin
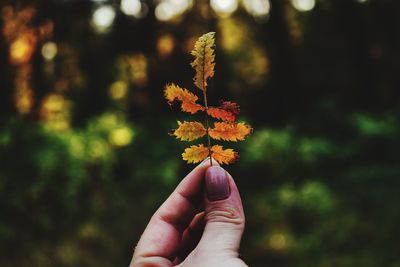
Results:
189 230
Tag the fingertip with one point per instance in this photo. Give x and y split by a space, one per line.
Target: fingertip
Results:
208 162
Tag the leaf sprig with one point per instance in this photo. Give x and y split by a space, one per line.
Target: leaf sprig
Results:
226 129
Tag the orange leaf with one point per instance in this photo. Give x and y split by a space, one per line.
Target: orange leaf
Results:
174 92
189 131
228 111
194 154
230 131
191 107
226 156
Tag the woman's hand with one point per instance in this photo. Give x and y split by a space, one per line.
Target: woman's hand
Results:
200 224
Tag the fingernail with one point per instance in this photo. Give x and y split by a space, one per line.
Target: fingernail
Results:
217 184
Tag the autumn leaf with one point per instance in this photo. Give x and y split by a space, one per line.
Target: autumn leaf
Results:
189 131
224 156
173 92
226 128
191 107
195 154
229 131
228 111
204 57
231 107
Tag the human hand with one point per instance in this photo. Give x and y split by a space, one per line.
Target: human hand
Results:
200 224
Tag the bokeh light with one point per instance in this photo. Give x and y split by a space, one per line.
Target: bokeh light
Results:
278 241
165 45
257 8
103 18
131 7
164 11
56 111
137 64
118 90
169 9
121 136
49 51
24 97
303 5
224 7
22 48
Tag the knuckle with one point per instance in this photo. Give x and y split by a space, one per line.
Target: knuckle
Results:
225 214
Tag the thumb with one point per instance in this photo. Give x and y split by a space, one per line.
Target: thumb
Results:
224 216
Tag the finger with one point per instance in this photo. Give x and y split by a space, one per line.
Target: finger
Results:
163 234
191 237
224 213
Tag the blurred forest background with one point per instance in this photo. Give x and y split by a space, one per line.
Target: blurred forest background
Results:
85 156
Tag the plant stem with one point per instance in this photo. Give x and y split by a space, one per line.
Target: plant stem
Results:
207 125
206 107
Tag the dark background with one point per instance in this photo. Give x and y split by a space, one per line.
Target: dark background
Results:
85 156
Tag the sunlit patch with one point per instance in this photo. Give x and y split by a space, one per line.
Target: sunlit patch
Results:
55 112
49 51
258 8
316 197
233 34
165 45
164 12
169 9
118 90
106 122
136 67
97 148
77 146
312 149
224 7
131 7
374 125
23 97
266 145
22 48
278 241
121 136
303 5
103 18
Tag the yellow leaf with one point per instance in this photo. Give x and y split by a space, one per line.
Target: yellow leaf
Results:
229 131
226 156
174 92
189 131
204 57
194 154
